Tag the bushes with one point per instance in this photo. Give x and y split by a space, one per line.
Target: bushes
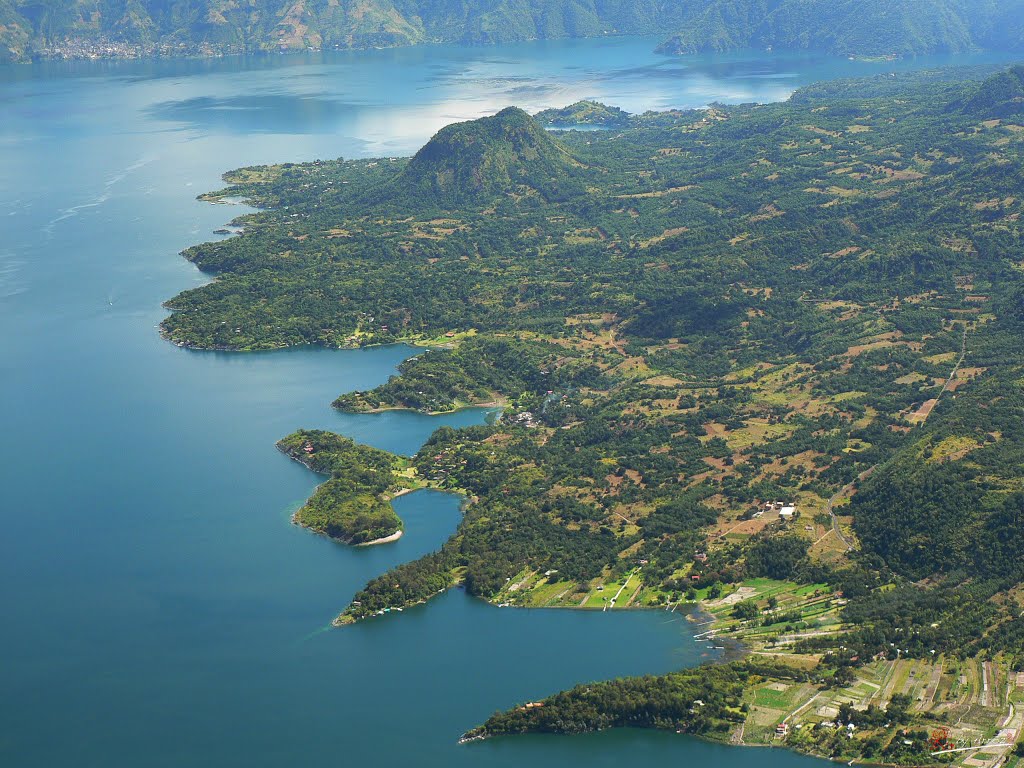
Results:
776 557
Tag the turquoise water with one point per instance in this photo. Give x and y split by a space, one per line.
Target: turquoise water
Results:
158 609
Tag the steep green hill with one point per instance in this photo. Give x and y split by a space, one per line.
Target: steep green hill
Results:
1001 95
480 159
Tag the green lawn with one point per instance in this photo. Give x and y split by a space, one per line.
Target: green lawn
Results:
768 697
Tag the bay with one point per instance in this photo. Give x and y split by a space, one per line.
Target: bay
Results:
158 607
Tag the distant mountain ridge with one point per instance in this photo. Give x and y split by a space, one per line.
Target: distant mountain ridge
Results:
851 27
80 29
49 27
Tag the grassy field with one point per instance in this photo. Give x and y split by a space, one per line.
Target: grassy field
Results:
944 693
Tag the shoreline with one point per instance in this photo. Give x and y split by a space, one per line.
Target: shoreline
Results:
732 648
411 342
499 402
382 540
138 52
725 742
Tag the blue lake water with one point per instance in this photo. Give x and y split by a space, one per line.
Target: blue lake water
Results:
157 607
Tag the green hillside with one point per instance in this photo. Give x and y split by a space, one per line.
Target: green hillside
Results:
1001 96
697 313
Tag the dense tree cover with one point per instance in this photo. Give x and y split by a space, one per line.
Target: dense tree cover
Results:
1002 96
948 506
689 317
709 702
408 584
352 506
439 380
335 264
704 701
776 557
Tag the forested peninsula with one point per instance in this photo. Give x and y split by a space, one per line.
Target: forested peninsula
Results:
144 28
352 506
765 357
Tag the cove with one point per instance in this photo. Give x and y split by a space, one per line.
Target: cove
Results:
158 608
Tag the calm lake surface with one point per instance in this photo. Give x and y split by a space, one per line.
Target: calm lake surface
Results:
157 607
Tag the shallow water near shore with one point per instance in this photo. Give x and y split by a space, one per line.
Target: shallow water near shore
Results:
158 608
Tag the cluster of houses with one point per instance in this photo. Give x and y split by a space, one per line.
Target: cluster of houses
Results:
782 729
786 509
850 727
526 418
443 463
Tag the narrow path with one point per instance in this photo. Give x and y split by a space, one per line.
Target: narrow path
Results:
959 362
823 536
830 508
723 534
801 708
737 737
968 749
884 692
935 681
559 596
636 592
611 603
